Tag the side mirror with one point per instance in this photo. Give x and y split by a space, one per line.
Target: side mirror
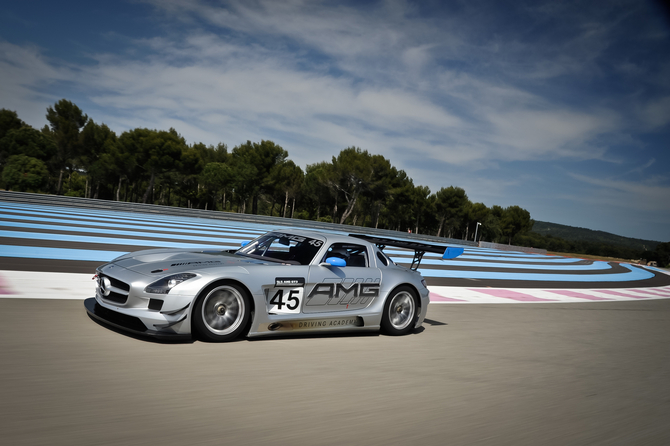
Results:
334 261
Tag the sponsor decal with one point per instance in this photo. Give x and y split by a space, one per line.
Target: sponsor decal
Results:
289 281
315 324
298 239
203 262
340 294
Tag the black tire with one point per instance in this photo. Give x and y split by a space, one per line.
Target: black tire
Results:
221 312
400 312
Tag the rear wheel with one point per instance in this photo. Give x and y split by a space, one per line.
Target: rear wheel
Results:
221 312
400 311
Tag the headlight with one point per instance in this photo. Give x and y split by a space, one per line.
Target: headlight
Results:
164 285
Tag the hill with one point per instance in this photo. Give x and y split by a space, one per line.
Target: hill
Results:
574 234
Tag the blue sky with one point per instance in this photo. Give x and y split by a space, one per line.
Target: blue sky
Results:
562 108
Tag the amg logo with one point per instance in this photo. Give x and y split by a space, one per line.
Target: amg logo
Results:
340 294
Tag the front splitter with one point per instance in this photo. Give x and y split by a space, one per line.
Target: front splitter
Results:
127 323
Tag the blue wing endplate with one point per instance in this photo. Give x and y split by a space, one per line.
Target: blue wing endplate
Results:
452 253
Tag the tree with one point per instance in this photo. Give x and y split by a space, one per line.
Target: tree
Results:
398 199
661 254
65 119
9 120
420 203
319 189
244 182
216 177
263 157
515 220
98 155
27 141
288 178
154 153
451 205
385 192
185 177
24 173
477 213
354 171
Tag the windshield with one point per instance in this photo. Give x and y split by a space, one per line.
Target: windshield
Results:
281 247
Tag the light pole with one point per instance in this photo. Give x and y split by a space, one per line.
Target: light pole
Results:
476 227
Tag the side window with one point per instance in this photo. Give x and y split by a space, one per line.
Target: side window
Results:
382 259
354 255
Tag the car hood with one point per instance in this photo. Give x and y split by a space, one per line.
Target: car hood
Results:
153 261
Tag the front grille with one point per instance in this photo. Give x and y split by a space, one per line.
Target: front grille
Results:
116 298
118 284
118 290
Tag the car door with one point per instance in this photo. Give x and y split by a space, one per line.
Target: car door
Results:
343 288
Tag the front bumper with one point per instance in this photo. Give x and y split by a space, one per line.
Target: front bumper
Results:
128 323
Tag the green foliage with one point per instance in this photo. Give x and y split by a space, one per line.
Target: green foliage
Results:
9 120
515 220
255 162
83 158
319 190
352 173
661 254
302 215
451 206
75 185
66 120
99 156
216 178
572 233
27 141
24 173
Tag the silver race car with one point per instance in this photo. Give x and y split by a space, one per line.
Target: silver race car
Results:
285 281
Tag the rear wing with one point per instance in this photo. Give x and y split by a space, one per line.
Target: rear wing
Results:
419 248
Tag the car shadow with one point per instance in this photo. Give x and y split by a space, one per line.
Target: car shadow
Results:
350 334
139 337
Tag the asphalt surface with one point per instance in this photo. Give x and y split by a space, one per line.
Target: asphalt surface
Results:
523 374
527 374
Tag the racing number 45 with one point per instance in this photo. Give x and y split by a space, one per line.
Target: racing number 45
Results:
289 303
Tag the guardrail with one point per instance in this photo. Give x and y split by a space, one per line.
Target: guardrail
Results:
121 206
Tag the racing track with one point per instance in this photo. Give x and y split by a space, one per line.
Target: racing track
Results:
67 240
590 368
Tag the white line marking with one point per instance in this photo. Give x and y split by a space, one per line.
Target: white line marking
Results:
39 285
473 295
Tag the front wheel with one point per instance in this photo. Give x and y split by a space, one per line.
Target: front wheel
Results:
400 311
221 312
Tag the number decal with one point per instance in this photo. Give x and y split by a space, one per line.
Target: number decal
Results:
292 297
278 299
284 300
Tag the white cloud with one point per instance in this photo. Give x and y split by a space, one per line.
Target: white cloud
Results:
441 92
26 79
649 196
657 113
532 134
